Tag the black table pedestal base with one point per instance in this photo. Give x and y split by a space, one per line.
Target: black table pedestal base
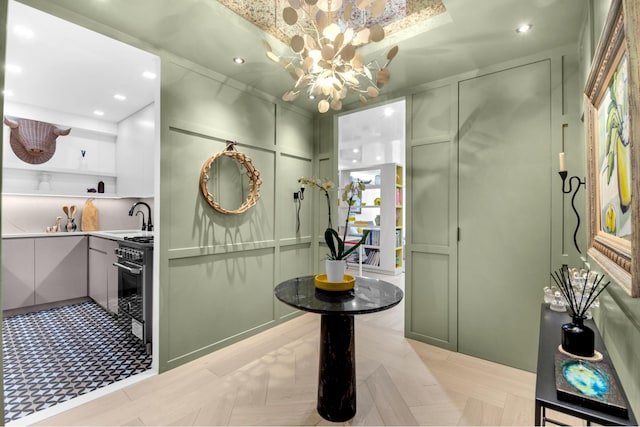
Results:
337 376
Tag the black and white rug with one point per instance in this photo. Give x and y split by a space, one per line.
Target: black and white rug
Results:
54 355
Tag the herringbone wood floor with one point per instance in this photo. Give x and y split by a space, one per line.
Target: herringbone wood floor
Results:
271 379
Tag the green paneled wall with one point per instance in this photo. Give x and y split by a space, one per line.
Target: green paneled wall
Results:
212 298
618 320
218 271
291 169
204 227
431 248
430 317
433 109
430 170
481 156
302 266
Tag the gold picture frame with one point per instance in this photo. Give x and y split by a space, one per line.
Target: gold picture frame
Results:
611 103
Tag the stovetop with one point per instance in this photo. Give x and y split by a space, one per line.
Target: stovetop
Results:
139 239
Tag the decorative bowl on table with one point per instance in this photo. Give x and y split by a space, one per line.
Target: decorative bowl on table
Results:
323 283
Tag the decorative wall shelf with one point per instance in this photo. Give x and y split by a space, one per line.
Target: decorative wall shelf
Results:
54 171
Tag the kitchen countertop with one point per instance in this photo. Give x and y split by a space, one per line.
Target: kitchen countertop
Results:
107 234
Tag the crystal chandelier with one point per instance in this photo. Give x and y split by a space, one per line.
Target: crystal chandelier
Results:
327 63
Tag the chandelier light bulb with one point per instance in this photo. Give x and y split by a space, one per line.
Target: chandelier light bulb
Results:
326 63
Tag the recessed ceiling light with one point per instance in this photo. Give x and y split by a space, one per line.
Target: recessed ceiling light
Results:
238 60
378 158
354 161
524 28
149 75
388 111
355 150
7 92
12 68
98 112
24 32
119 97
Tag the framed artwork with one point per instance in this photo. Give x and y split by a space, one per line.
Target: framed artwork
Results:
612 172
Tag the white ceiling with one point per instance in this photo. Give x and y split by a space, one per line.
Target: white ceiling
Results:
372 136
65 67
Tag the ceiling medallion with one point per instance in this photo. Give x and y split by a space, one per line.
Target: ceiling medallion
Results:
327 64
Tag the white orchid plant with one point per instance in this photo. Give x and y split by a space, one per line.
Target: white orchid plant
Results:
352 190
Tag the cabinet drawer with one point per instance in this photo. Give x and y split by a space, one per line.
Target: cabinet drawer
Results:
101 244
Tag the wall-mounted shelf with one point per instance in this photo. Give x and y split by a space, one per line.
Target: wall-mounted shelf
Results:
53 171
79 196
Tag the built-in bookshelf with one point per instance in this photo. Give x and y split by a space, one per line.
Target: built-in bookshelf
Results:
380 211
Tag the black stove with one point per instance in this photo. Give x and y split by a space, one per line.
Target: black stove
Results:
135 287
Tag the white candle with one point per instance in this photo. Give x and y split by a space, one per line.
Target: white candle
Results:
563 162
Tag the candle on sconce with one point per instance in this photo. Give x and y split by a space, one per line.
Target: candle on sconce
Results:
563 162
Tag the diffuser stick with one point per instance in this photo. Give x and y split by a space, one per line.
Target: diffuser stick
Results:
584 288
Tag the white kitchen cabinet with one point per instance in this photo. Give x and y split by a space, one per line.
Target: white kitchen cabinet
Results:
135 153
103 276
18 273
60 268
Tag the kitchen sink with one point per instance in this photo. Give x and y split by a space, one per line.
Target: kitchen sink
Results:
125 233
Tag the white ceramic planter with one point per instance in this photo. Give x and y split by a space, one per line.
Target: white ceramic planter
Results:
335 270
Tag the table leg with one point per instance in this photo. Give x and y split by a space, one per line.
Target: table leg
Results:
539 408
337 373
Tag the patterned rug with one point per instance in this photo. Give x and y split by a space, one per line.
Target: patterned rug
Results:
54 355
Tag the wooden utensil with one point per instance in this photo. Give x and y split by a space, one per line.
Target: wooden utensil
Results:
65 209
72 211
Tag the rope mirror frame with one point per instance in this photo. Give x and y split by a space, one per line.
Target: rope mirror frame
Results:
254 180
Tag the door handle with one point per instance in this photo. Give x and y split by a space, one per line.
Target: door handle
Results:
131 270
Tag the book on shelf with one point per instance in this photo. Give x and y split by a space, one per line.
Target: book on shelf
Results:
398 196
373 257
373 239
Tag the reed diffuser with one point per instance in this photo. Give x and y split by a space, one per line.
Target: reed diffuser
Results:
580 291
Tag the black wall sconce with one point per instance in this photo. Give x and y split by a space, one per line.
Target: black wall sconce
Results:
579 182
298 197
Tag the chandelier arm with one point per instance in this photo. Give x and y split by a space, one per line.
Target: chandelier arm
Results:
308 9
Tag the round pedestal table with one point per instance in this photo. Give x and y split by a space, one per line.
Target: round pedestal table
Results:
337 371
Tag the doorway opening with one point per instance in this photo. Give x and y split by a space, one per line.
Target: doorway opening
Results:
371 147
62 341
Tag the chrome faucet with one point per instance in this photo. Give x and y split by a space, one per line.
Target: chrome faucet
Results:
148 226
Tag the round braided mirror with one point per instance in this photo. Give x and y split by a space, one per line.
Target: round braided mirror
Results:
227 163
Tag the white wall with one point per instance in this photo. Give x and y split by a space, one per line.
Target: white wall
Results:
32 214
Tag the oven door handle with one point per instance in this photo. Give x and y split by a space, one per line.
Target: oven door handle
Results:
127 268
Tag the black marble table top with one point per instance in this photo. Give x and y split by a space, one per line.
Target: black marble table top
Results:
367 296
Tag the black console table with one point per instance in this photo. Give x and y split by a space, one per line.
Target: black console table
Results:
546 394
337 373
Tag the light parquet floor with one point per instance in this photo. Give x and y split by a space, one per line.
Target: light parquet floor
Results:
271 379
